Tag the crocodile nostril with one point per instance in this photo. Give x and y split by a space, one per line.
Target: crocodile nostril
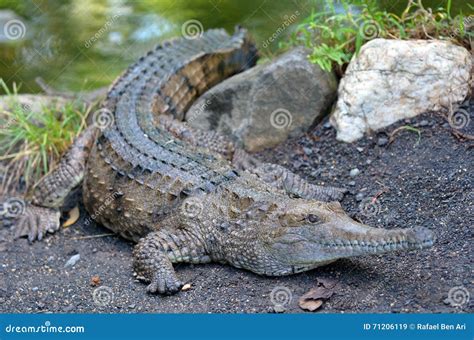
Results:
313 218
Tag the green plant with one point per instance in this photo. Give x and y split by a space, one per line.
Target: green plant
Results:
31 143
334 37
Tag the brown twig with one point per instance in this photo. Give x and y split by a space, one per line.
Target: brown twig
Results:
91 236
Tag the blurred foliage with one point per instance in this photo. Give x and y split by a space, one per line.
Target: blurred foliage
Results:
334 36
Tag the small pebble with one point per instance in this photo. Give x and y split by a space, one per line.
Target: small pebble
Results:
352 183
307 151
34 289
68 309
72 261
279 308
327 125
354 172
132 306
382 141
424 122
186 287
360 149
359 197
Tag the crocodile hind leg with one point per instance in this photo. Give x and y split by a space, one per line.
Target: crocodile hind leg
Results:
41 214
155 254
274 174
294 185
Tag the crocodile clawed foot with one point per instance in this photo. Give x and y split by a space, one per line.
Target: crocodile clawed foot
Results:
35 222
164 284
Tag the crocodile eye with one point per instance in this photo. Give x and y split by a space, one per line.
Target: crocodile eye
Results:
313 218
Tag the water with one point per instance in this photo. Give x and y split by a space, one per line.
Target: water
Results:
84 44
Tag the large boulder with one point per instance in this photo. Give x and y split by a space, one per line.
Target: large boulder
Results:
395 79
265 105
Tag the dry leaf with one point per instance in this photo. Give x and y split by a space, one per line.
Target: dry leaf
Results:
95 281
315 297
73 217
310 305
328 283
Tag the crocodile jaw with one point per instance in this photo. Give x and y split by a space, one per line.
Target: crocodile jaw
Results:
308 246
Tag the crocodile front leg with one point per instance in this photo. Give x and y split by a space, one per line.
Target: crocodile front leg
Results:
155 254
42 214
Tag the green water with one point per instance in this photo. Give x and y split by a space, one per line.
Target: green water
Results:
85 44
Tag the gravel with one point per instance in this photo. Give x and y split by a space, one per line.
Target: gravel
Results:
427 183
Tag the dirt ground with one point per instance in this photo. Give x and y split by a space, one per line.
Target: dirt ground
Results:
424 180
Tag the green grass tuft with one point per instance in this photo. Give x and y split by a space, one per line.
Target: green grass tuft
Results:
31 143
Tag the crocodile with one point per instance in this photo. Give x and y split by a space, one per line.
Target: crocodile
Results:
186 195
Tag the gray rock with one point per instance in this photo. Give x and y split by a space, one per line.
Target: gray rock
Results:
382 141
359 197
265 105
72 261
391 80
354 172
424 122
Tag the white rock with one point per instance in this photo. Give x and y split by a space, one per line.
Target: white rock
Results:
392 80
354 172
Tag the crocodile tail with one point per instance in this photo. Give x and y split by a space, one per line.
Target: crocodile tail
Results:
183 68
